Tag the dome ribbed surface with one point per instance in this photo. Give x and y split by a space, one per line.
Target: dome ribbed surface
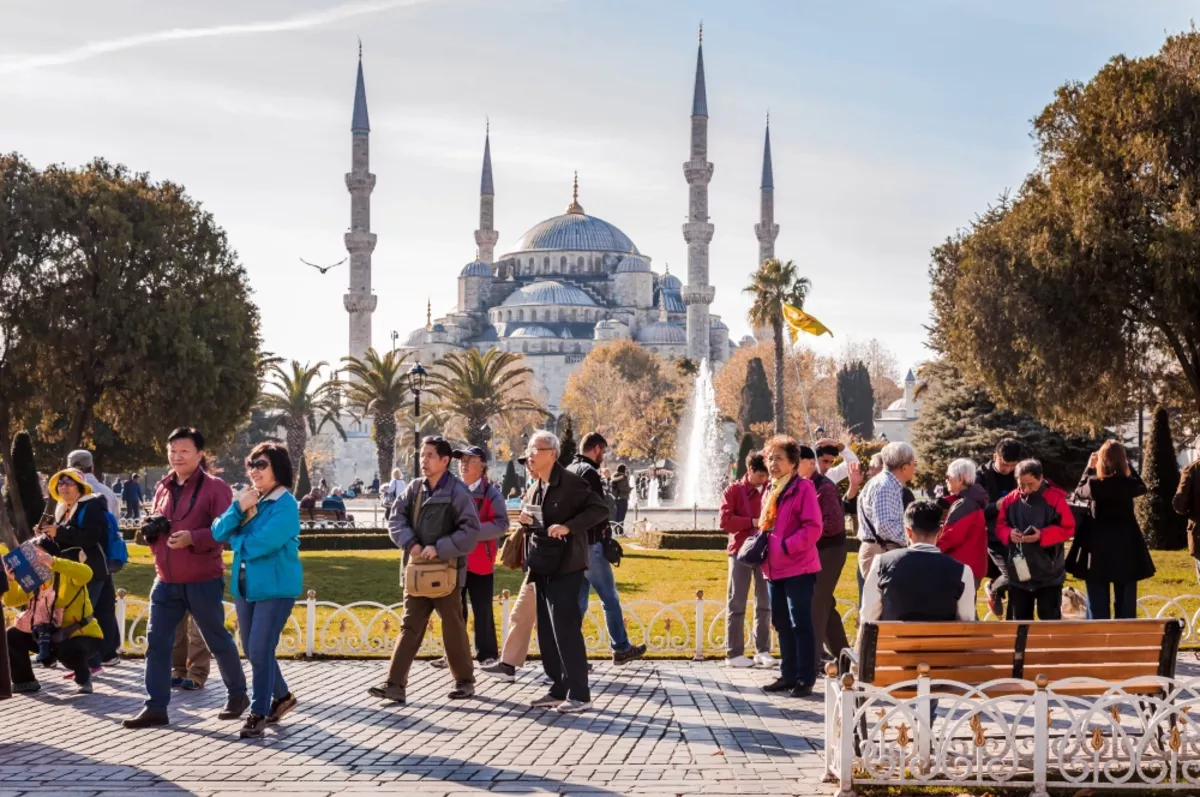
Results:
548 292
575 232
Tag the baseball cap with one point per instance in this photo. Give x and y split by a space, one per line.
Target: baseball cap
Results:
80 458
471 451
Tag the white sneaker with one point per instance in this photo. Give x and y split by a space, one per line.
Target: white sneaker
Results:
573 707
765 660
740 662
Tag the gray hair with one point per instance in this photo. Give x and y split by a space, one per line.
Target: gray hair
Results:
963 469
877 461
543 436
897 455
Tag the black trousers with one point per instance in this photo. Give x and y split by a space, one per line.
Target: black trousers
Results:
5 678
560 635
1047 600
478 593
73 653
103 595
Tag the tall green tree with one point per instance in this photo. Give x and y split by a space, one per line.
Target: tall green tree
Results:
756 404
773 285
26 485
303 481
475 388
511 480
1065 299
747 446
1163 528
378 387
856 399
301 405
567 447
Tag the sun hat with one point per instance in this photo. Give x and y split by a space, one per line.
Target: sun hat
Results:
75 476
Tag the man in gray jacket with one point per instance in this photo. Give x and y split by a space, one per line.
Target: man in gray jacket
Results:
433 519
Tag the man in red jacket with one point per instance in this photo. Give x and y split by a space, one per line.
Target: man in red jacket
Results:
190 577
481 562
741 507
1035 521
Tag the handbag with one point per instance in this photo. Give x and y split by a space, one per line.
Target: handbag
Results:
612 550
513 550
1078 559
754 550
545 553
430 578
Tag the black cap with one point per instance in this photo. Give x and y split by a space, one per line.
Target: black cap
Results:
471 451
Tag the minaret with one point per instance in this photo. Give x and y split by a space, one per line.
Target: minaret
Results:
766 230
360 241
485 236
697 231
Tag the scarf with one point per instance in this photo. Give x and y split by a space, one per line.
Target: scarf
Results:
770 507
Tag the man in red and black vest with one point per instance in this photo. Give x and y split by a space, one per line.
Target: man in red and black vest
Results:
481 562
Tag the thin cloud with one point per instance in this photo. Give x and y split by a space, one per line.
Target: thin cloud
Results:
300 22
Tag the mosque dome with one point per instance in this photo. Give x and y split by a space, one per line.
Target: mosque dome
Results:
575 232
669 282
548 292
476 269
532 331
424 336
672 300
662 333
633 265
716 323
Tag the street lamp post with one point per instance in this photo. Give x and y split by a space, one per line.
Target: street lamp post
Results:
395 337
417 378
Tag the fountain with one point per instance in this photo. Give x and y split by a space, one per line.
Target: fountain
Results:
652 494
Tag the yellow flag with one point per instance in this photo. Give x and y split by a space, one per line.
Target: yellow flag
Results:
799 321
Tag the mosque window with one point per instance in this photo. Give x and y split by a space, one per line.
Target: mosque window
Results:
562 315
581 263
520 315
562 263
573 316
546 264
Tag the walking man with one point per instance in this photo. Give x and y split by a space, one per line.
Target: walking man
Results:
433 519
741 506
621 490
481 563
131 493
190 577
831 547
599 573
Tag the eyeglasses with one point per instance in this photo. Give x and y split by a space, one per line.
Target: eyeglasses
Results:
533 451
257 464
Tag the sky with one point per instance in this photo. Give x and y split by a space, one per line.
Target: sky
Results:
893 124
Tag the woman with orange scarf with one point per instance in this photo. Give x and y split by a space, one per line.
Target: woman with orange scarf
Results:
791 514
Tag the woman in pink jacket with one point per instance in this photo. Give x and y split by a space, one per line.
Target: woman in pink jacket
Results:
792 515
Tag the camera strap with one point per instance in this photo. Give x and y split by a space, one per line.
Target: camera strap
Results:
192 502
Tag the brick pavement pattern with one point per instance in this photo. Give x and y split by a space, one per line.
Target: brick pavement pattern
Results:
657 727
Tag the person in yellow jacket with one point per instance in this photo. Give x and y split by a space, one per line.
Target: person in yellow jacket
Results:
63 603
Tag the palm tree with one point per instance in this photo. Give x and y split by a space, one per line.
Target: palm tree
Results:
478 387
378 387
299 406
774 284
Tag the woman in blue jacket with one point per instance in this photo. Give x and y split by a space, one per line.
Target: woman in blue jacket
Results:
263 528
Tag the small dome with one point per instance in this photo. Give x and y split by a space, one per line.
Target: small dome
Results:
716 323
633 265
476 269
662 332
898 404
669 282
532 331
548 292
672 301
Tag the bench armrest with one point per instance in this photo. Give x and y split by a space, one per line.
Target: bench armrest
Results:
847 662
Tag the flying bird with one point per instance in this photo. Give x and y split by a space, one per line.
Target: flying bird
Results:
324 269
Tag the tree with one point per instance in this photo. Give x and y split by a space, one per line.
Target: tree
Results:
773 285
856 399
378 386
881 364
1163 528
27 486
300 406
1055 299
476 388
231 457
757 405
566 444
959 419
747 447
303 481
511 480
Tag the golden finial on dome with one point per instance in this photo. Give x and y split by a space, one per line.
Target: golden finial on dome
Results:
428 314
575 207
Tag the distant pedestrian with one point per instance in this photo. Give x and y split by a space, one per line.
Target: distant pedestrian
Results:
1187 503
741 508
621 490
131 493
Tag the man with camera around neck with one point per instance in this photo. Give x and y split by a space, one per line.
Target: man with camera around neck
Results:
190 576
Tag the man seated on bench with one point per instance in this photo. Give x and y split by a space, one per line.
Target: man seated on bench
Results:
918 583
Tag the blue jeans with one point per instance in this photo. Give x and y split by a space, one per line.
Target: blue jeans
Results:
260 624
1123 594
599 575
168 604
791 614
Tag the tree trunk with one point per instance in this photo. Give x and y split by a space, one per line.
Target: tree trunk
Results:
297 441
385 444
24 529
777 329
79 423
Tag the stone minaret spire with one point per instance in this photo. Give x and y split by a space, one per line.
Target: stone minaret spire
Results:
360 241
485 236
766 230
697 231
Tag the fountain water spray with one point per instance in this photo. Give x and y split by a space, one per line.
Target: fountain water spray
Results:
703 461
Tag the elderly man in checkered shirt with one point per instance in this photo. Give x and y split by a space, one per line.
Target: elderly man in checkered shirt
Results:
881 506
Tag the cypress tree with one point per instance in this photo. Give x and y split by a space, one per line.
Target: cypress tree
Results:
28 486
303 482
1163 528
566 444
748 445
511 480
757 404
856 399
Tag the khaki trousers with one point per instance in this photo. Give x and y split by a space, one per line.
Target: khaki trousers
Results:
190 659
414 620
521 621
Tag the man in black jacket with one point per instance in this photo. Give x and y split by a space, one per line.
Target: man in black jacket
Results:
998 477
599 574
557 511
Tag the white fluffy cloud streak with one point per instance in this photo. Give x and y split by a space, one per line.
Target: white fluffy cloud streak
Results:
313 19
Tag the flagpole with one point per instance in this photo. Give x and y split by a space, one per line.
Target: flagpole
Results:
803 399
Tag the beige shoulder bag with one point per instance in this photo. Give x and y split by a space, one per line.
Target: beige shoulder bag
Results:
428 578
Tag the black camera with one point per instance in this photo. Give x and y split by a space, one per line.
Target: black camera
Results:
154 527
43 635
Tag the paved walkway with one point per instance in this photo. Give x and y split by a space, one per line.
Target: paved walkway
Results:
657 728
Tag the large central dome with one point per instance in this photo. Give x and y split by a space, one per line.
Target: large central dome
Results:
575 232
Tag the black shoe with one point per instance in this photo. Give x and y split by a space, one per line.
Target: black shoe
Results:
505 672
147 719
235 706
779 685
280 706
802 690
632 654
462 692
254 727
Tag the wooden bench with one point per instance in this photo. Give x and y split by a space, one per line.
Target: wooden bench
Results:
322 515
975 653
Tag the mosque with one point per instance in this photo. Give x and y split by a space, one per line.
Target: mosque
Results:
570 282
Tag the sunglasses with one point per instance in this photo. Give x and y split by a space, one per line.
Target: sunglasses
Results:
257 464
